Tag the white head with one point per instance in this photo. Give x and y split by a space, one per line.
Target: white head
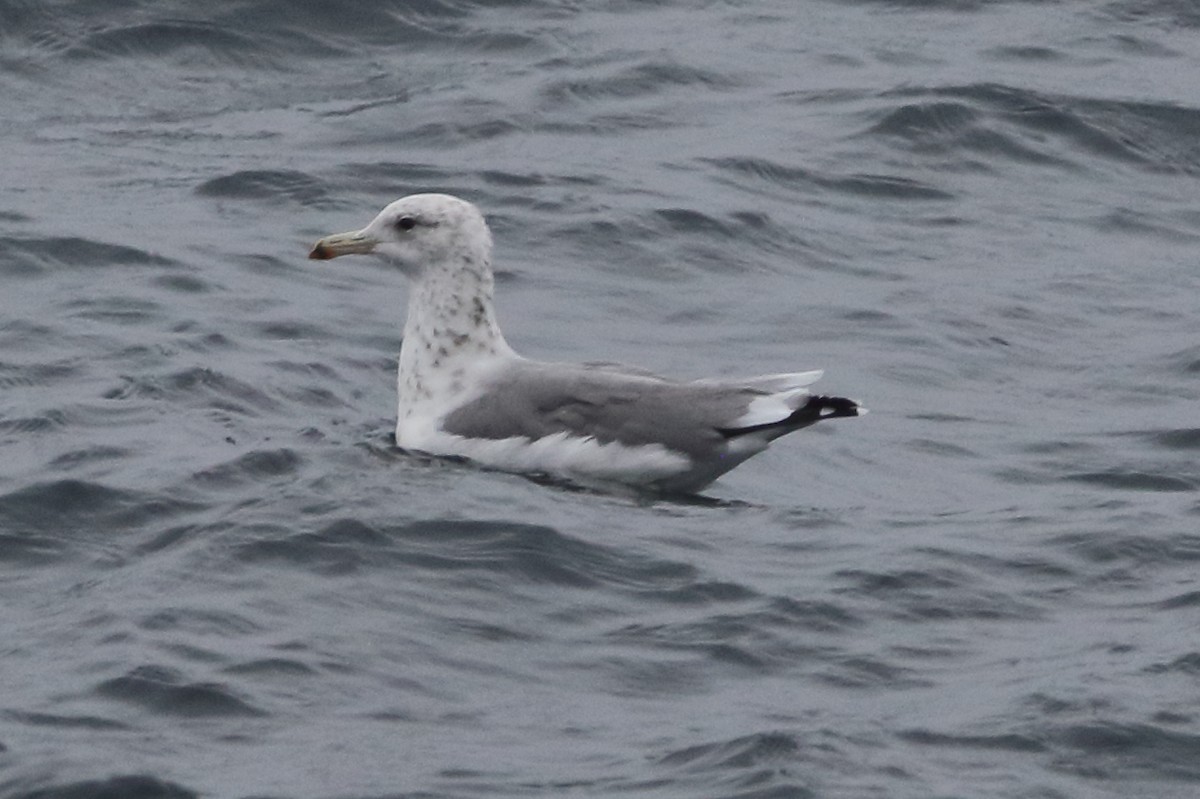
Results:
417 232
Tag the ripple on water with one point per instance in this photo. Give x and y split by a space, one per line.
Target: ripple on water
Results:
1118 750
38 375
252 467
526 552
1009 742
937 594
757 174
742 629
265 184
64 721
768 764
1141 546
1097 748
131 786
166 691
1025 125
1182 438
16 428
636 81
197 385
1135 480
34 256
59 511
198 621
168 37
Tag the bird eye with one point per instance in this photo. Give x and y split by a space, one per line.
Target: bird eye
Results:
406 223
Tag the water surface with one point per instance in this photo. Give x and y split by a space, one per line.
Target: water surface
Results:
219 578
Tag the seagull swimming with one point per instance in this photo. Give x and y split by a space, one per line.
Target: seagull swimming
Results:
464 392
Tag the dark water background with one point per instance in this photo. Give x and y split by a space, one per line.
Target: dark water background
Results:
218 578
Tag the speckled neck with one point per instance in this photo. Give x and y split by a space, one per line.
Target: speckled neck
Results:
450 321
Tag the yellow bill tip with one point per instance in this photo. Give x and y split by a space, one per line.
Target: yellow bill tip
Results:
341 244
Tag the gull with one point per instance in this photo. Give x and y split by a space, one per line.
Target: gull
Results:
464 392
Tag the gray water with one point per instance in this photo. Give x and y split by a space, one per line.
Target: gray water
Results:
219 578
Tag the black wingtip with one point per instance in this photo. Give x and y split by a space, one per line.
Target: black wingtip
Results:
811 412
830 407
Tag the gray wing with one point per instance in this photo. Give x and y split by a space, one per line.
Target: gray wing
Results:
534 400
